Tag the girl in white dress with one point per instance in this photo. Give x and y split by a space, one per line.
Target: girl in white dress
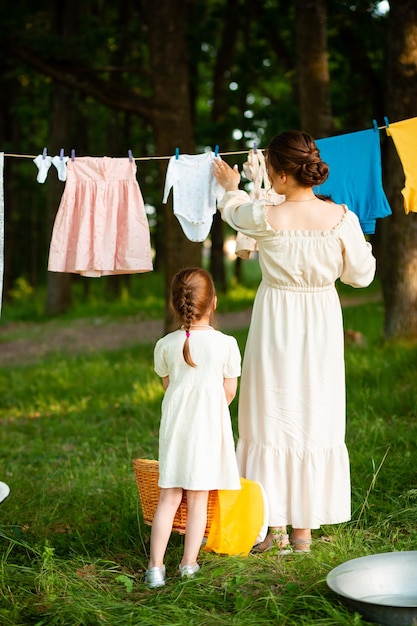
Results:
199 367
292 410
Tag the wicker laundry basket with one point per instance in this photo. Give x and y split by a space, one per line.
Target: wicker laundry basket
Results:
147 474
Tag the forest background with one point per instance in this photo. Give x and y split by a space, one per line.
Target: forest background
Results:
105 77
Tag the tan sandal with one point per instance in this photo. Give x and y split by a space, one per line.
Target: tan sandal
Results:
275 539
301 545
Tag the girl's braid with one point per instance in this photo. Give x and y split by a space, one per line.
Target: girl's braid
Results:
186 307
189 313
192 295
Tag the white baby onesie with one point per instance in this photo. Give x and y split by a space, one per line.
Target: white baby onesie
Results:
195 191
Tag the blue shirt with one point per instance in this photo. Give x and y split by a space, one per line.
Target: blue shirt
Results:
355 177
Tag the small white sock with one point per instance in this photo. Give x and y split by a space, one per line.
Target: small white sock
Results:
61 166
43 164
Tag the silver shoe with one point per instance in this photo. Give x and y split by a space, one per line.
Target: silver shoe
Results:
188 571
155 577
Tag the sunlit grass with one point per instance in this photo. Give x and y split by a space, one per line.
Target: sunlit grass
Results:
73 546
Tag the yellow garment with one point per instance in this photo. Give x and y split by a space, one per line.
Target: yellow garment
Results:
237 520
404 136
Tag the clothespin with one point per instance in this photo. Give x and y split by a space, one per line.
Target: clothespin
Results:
216 151
61 154
73 155
375 125
255 147
129 152
177 153
44 152
386 122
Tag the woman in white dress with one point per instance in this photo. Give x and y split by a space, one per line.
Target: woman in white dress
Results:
292 409
199 367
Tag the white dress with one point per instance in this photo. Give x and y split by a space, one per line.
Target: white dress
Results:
292 409
196 445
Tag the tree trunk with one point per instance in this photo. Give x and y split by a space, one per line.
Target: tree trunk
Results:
172 120
219 112
11 232
312 68
59 293
398 265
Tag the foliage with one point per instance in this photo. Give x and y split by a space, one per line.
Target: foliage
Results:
73 543
353 106
243 88
141 296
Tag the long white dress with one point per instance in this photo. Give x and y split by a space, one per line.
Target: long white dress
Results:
196 445
292 408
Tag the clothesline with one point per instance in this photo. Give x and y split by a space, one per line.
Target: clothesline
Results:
143 158
348 155
155 158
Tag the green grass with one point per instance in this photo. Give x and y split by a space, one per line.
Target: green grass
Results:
73 546
141 295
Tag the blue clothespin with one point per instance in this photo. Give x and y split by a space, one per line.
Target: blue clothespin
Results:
129 152
375 125
255 147
73 155
177 153
216 151
61 154
44 152
386 122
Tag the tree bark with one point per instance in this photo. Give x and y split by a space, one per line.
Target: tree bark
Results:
398 265
172 120
312 67
59 293
221 79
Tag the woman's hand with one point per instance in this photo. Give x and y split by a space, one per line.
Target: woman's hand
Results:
227 177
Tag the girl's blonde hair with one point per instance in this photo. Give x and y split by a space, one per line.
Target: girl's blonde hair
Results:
192 296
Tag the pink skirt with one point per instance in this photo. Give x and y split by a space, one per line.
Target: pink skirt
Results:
101 227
